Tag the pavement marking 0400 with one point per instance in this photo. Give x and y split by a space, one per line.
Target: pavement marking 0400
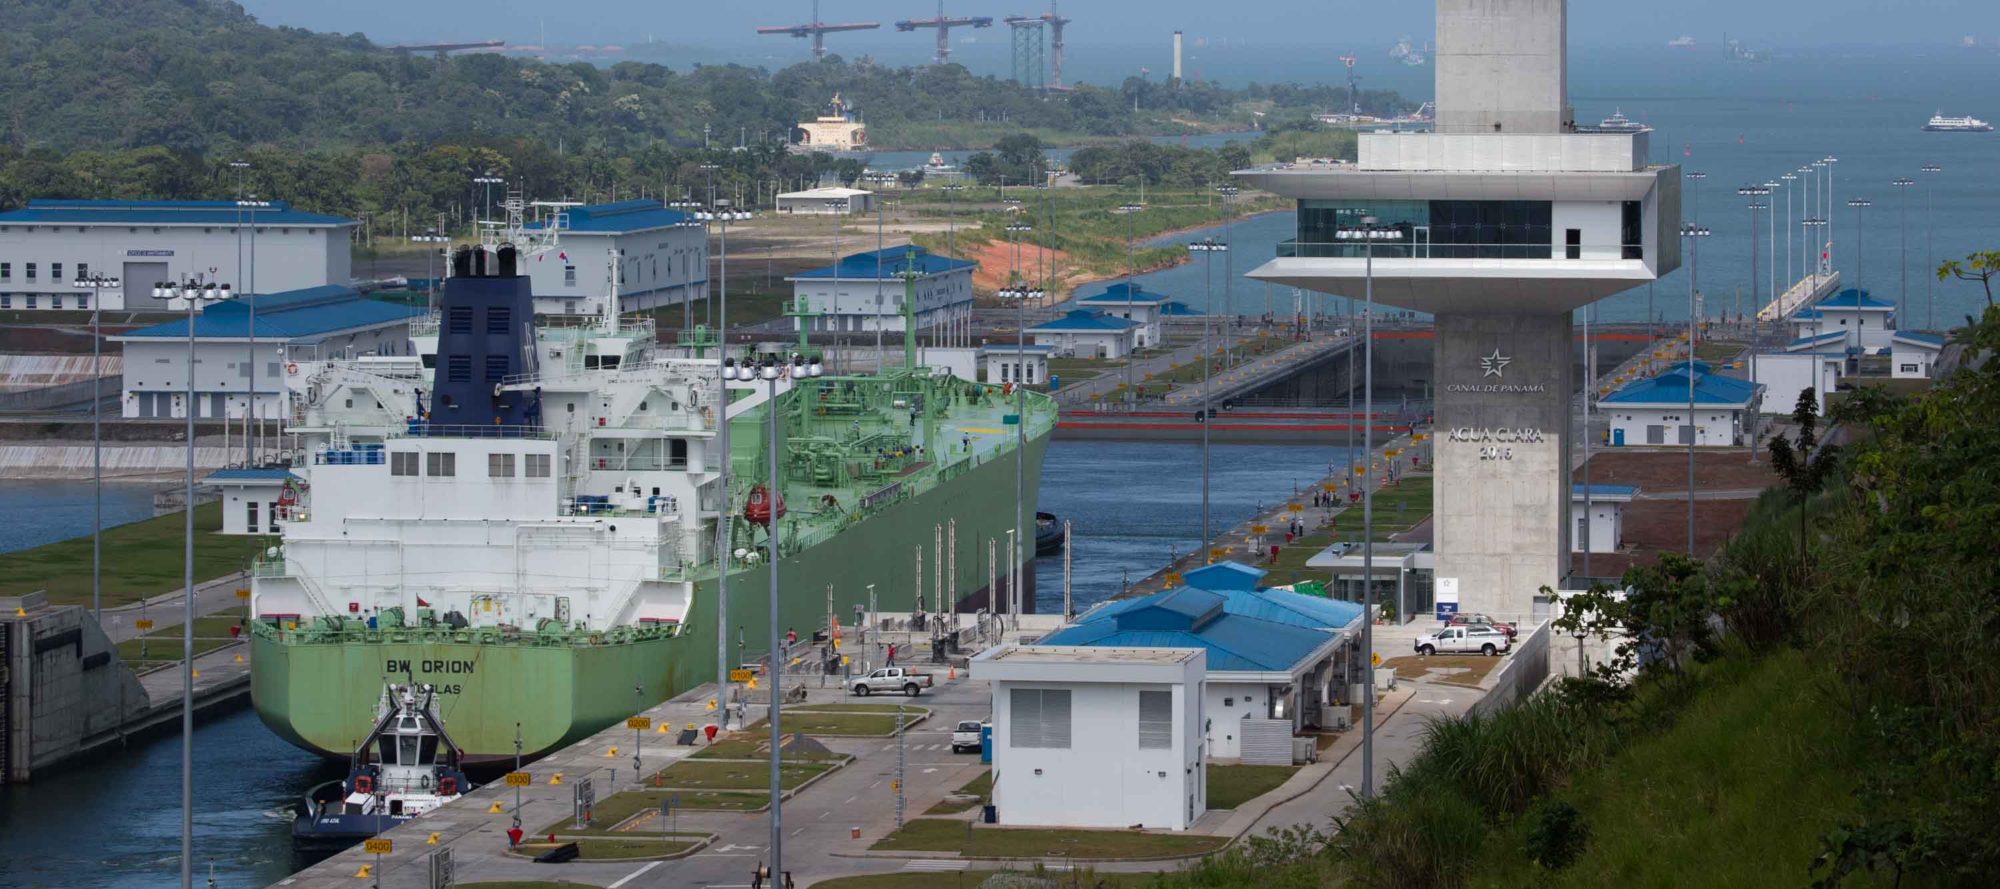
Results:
635 874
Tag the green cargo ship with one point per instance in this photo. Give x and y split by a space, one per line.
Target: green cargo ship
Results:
542 544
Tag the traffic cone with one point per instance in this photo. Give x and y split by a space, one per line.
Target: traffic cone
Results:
953 674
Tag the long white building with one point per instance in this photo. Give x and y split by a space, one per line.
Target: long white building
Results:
47 245
660 254
1500 224
864 291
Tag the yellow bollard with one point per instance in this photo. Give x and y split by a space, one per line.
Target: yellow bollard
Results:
495 808
364 873
197 673
239 659
555 778
663 728
433 839
612 752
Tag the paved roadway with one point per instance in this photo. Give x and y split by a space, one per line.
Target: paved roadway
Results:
165 609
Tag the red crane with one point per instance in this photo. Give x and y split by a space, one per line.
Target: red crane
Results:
944 24
818 30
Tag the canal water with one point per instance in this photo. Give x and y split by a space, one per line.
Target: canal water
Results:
41 512
114 821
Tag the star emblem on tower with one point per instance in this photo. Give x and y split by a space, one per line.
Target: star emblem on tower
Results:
1495 364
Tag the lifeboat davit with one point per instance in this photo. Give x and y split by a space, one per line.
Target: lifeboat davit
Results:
758 508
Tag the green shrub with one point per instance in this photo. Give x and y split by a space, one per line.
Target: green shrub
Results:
1557 834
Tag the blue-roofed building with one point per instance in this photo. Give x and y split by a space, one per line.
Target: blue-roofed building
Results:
1643 412
1133 303
1087 333
288 328
1276 660
1865 321
1912 354
254 499
50 243
1800 367
863 292
659 254
1601 528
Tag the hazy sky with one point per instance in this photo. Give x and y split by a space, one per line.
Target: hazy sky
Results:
1592 22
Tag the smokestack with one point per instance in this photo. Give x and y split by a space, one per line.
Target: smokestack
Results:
1177 58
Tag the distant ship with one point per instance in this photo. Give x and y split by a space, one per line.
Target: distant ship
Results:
1681 42
1406 52
1942 124
1618 122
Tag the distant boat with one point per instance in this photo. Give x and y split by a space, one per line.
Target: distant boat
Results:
1942 124
1681 42
1619 123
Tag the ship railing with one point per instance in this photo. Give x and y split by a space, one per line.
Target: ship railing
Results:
269 566
1404 248
440 430
426 326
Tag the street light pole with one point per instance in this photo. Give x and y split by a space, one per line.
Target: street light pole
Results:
96 286
1020 295
193 291
1753 192
1368 513
1858 204
1789 179
1228 277
1930 279
1902 184
1694 233
1207 247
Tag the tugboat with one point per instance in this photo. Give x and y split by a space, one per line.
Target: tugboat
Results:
406 767
1048 534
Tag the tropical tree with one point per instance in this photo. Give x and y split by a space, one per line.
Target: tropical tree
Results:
1803 462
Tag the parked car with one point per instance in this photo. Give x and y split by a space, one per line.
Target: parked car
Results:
1475 619
966 736
890 680
1464 640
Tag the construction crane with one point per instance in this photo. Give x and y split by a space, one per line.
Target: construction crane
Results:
818 30
1353 91
1056 22
944 26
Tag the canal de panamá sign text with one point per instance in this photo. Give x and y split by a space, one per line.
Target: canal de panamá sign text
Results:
1495 365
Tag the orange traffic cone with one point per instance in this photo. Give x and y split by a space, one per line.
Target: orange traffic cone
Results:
953 675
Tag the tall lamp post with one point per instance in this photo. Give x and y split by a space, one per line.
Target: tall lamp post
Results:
1368 510
1694 234
1829 161
729 372
951 190
194 291
250 206
1859 204
1753 192
1229 321
1930 280
96 285
1902 184
1131 212
1207 247
1015 231
1788 179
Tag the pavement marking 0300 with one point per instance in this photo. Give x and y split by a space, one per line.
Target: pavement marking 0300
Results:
934 864
635 874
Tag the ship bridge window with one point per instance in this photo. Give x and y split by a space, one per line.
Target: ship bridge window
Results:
677 453
386 748
406 752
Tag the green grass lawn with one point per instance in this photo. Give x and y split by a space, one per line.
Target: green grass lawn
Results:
1745 782
978 789
950 835
157 648
613 810
1714 351
905 880
853 725
754 748
1232 786
909 710
527 884
607 849
141 559
715 775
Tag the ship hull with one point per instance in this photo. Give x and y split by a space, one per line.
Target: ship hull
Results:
321 696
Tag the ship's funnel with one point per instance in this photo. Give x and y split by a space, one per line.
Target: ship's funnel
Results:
486 335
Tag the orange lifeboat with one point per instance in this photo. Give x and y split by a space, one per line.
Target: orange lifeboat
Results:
758 508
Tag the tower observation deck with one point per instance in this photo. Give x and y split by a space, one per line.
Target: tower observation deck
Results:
1500 223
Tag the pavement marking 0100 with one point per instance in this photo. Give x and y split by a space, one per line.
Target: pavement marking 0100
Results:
635 874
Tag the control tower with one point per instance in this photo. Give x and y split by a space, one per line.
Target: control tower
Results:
1501 223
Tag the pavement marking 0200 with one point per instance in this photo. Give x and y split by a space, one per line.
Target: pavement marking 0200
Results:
635 874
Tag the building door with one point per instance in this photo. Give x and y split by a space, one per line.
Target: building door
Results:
1573 243
1687 433
218 405
139 280
1617 438
1656 434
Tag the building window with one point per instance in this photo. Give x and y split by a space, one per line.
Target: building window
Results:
6 271
251 512
569 275
499 465
538 466
1156 720
1040 718
83 302
403 463
1907 368
31 270
31 300
55 271
55 301
440 463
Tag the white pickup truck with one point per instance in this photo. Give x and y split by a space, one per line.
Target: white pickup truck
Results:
890 680
1464 640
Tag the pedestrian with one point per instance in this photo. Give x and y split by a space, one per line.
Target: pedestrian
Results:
791 637
892 656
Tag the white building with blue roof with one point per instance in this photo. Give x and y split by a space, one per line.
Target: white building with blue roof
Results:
1135 304
660 255
1642 413
1603 524
1866 321
1277 661
307 324
1785 374
50 243
1087 333
1912 354
864 291
253 498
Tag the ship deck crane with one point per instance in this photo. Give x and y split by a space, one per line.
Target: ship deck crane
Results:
817 30
944 24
